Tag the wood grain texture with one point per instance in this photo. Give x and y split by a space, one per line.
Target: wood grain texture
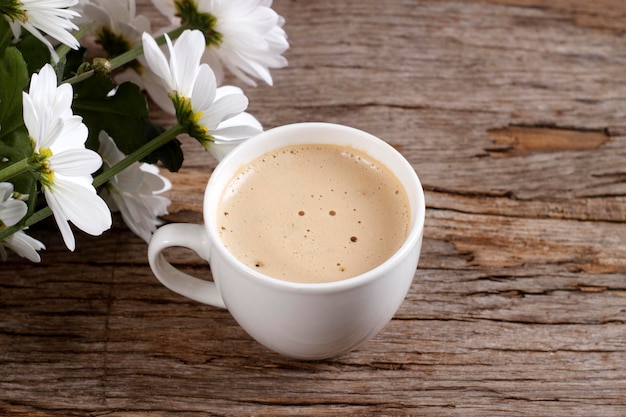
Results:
518 306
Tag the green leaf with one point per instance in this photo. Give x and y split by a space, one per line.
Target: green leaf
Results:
124 116
23 183
16 146
6 35
35 53
14 142
121 115
73 60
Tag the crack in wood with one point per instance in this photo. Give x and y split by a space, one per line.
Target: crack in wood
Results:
515 140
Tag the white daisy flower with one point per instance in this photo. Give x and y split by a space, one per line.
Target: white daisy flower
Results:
11 209
52 17
245 37
22 244
192 88
58 138
134 191
115 23
11 212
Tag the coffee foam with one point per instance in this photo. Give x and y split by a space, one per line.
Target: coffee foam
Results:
313 213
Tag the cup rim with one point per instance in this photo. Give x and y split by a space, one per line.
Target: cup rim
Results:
415 233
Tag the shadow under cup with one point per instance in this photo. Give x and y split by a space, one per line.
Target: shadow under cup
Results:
314 320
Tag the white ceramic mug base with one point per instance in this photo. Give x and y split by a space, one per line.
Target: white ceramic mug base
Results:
305 321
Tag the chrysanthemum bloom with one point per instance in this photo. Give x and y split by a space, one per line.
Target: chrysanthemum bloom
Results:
244 37
192 89
58 137
11 212
118 29
52 17
134 191
115 24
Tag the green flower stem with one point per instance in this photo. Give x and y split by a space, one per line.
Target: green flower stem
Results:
36 217
127 56
17 168
139 154
80 77
134 53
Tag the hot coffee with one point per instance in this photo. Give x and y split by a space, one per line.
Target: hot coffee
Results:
310 214
313 213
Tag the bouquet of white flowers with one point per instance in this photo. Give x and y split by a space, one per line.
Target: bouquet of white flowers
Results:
76 138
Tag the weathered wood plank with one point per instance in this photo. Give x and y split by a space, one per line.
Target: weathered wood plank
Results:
118 350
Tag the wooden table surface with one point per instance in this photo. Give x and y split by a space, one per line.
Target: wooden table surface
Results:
513 114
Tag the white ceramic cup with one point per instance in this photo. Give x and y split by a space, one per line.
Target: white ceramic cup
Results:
305 321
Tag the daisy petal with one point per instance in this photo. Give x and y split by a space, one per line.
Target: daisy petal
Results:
62 99
157 62
31 119
12 211
43 85
185 60
204 90
223 109
75 162
81 205
24 245
60 219
134 191
6 191
235 133
242 119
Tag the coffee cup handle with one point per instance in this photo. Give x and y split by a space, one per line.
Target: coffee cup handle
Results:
191 236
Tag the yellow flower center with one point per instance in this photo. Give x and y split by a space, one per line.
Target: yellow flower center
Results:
46 174
190 120
193 18
14 10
